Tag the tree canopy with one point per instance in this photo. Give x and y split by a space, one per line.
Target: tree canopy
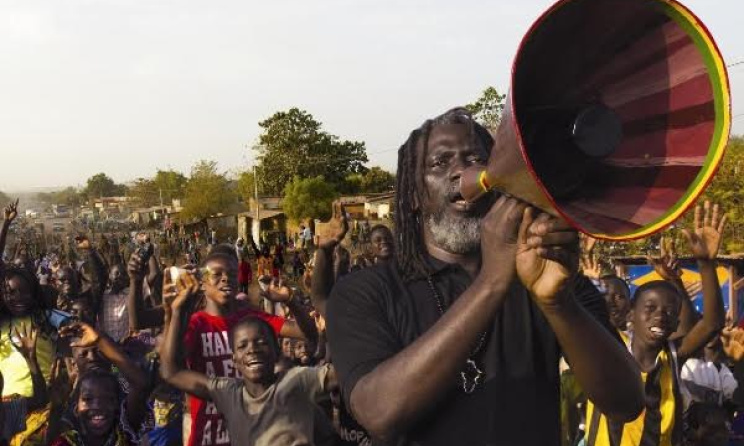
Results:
166 185
69 196
101 185
308 198
293 144
487 109
208 192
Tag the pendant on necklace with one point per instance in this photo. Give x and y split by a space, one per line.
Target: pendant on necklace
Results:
471 376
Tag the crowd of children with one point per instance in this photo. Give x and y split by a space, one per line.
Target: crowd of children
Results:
111 347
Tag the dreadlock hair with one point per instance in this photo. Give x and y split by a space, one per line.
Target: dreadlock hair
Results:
40 309
409 239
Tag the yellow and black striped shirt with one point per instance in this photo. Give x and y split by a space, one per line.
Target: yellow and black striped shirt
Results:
660 423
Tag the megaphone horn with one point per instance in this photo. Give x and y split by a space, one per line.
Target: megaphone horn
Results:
618 116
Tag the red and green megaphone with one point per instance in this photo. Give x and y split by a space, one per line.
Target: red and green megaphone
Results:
617 118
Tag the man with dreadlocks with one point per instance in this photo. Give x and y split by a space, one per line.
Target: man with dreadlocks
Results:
458 340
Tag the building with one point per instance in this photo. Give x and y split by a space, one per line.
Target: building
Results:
113 207
264 219
380 207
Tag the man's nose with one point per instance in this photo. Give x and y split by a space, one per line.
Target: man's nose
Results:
458 166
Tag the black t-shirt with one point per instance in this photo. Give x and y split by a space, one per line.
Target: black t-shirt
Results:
373 314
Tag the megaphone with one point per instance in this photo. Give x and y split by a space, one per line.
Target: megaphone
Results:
617 119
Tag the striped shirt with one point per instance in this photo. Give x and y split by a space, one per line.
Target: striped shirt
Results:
660 424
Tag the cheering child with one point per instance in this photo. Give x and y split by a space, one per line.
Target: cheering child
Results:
655 314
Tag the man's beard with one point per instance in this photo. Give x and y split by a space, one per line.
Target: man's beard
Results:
458 235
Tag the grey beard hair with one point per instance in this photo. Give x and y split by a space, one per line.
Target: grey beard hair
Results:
458 235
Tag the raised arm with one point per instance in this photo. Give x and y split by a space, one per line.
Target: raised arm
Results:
155 280
171 370
705 240
399 391
26 345
139 316
98 277
135 376
323 278
9 214
303 327
546 265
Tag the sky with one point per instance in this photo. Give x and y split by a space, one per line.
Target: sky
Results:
128 86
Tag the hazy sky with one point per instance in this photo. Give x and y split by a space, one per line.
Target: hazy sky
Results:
126 86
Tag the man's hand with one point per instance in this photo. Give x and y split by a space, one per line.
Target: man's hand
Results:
547 257
339 225
277 291
705 238
26 344
88 336
11 211
499 238
733 343
135 269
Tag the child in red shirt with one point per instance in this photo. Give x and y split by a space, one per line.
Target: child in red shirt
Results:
206 339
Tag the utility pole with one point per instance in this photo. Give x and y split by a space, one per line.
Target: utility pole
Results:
258 205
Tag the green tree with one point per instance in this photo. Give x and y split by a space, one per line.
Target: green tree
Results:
170 184
246 185
727 189
488 108
69 196
352 184
165 186
309 198
377 180
145 192
100 185
208 192
294 145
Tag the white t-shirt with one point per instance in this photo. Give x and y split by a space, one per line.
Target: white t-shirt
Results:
307 234
702 373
